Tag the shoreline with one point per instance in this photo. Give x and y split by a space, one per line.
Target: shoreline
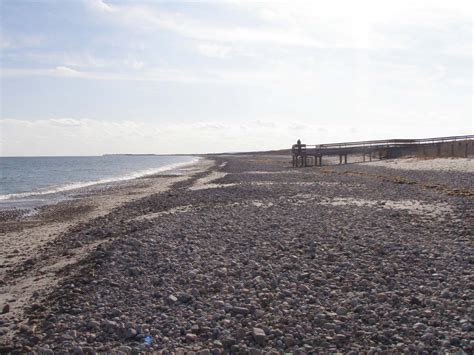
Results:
25 238
52 195
311 258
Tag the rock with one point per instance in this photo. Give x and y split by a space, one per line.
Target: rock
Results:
419 326
44 351
191 338
427 338
185 297
125 349
240 310
289 340
88 350
114 312
130 333
342 311
110 326
254 351
303 288
6 309
228 342
172 299
259 336
93 325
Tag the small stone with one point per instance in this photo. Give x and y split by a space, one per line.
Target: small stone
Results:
172 298
130 333
342 311
304 289
455 341
240 310
125 349
185 297
195 329
6 309
114 312
259 336
191 338
24 328
419 326
93 325
88 350
445 294
289 340
427 338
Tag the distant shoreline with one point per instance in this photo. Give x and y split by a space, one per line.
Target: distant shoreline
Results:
51 191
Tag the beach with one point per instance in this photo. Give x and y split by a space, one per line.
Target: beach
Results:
245 254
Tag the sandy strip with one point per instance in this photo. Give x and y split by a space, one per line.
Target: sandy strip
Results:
207 181
28 238
438 164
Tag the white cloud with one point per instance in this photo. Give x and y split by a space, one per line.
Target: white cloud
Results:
214 50
72 136
158 75
19 41
65 71
99 5
312 24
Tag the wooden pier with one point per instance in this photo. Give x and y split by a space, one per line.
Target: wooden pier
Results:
454 146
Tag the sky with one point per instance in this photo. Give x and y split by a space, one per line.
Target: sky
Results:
95 76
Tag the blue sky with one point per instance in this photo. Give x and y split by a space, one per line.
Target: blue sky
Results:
92 77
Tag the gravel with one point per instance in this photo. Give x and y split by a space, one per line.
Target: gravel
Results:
261 262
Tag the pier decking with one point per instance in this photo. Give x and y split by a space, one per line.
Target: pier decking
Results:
312 155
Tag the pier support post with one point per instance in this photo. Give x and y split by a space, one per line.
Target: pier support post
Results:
370 156
345 158
340 158
363 159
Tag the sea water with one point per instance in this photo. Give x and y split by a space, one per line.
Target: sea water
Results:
26 181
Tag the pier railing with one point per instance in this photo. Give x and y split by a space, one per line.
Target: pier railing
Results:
379 148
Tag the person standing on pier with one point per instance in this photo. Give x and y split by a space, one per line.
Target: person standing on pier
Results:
298 144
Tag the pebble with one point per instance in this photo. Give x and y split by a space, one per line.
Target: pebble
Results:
259 336
294 266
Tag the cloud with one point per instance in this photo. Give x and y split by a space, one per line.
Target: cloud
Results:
73 136
152 75
65 71
99 5
19 41
364 24
214 50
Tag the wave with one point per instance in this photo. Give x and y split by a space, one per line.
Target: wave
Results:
81 184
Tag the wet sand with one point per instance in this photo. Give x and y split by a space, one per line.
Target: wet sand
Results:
248 255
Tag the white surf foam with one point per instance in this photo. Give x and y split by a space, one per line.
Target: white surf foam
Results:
81 184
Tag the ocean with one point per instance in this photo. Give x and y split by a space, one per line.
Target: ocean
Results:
31 181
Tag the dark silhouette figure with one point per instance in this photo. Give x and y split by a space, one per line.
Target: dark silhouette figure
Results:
298 145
